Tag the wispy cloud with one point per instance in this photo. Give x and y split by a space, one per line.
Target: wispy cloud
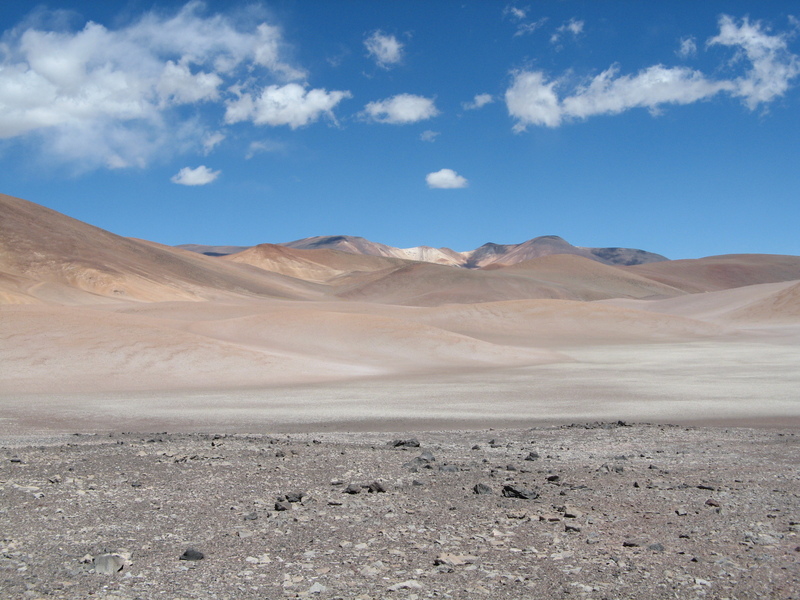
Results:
259 146
687 48
429 136
384 49
202 175
519 16
401 109
479 101
445 179
533 99
573 26
211 141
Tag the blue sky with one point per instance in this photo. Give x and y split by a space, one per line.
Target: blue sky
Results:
667 126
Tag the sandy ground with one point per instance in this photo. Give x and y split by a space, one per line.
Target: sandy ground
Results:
752 381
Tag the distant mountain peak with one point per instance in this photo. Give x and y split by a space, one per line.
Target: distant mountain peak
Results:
489 253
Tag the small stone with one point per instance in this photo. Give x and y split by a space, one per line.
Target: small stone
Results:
606 468
410 443
572 528
571 512
630 544
252 516
353 488
511 491
108 564
376 487
553 478
411 584
681 512
192 554
712 502
532 456
426 457
656 547
454 560
280 454
481 488
295 496
449 468
282 505
317 588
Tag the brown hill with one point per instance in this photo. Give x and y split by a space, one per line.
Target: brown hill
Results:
546 245
563 277
779 307
49 257
425 284
589 279
311 265
721 272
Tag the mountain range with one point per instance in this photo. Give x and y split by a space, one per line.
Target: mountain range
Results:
83 309
486 255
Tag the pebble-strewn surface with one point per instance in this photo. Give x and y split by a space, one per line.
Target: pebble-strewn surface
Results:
584 511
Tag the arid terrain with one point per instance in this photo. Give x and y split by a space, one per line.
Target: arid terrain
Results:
292 369
603 510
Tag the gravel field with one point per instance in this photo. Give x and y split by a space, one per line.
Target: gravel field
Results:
598 510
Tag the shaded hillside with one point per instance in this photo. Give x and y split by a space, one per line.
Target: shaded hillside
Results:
722 272
47 256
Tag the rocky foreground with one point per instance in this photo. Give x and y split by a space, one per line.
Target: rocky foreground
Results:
583 511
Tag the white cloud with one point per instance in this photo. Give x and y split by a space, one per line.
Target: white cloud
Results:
401 109
385 49
573 26
291 104
114 97
479 101
520 14
687 48
258 147
445 179
515 12
202 175
611 93
429 136
532 99
772 66
211 141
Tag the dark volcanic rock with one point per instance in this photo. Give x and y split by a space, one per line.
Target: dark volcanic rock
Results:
192 554
481 488
512 491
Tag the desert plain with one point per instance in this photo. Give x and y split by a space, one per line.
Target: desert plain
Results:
318 422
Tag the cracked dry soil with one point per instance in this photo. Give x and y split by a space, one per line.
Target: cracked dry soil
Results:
613 511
